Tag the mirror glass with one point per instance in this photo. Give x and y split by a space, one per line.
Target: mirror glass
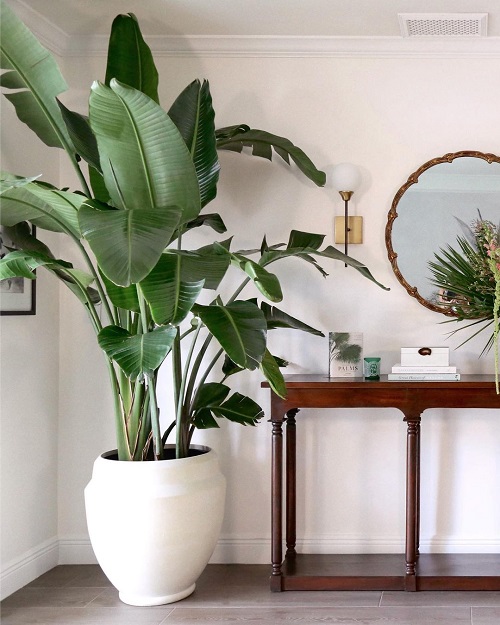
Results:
422 219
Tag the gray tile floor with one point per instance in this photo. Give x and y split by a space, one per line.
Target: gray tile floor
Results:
236 593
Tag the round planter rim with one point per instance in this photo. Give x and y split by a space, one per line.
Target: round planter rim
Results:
204 449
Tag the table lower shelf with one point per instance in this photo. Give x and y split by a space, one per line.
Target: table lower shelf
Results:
387 572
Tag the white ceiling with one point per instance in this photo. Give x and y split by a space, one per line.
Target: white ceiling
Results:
338 18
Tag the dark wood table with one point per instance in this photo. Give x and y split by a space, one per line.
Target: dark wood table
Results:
410 571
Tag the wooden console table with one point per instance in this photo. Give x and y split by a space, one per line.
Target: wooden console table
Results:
372 571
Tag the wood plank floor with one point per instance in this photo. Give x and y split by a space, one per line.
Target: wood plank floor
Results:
236 593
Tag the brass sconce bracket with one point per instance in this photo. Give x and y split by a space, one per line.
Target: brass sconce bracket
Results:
354 230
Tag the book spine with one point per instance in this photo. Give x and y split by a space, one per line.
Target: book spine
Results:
423 369
424 377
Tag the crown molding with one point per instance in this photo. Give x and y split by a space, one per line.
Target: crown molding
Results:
64 45
302 47
49 35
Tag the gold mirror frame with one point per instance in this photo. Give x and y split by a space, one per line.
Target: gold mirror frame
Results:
393 214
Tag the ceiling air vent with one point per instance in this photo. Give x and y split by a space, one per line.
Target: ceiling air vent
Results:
443 24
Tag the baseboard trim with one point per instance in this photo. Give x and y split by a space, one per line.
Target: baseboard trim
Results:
383 544
28 567
242 551
230 550
76 551
227 551
258 551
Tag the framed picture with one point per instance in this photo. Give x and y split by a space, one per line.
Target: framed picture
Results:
17 295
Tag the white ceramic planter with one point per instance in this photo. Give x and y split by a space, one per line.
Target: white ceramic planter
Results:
154 525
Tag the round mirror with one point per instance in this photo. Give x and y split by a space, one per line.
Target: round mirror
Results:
425 213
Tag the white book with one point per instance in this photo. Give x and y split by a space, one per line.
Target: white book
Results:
423 369
424 377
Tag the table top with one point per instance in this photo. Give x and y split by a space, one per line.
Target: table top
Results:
310 381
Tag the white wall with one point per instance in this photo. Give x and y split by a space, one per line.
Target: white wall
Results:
388 115
29 399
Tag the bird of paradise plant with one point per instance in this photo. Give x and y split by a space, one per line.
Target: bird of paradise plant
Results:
145 176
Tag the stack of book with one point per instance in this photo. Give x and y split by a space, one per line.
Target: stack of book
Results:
424 364
424 373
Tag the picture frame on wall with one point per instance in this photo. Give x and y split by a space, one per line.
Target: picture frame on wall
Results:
17 295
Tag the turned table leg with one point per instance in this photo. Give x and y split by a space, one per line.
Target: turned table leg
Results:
412 500
276 505
291 482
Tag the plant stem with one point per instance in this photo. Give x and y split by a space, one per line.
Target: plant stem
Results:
155 421
122 438
196 367
79 172
204 377
102 294
176 368
120 421
238 290
182 413
151 384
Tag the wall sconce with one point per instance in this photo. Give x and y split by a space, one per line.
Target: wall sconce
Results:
346 179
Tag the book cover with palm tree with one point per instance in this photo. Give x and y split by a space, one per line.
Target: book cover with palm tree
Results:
346 354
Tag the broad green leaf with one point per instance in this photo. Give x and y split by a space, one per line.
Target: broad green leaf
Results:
267 283
208 263
211 401
204 420
298 248
138 355
145 162
209 395
98 187
234 138
282 363
170 298
335 254
9 181
270 368
214 220
23 237
81 135
43 205
279 319
129 57
193 114
310 240
127 243
64 204
262 250
229 367
79 283
122 296
240 409
35 73
240 328
21 263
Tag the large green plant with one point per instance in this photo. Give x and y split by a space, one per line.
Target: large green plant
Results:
150 173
